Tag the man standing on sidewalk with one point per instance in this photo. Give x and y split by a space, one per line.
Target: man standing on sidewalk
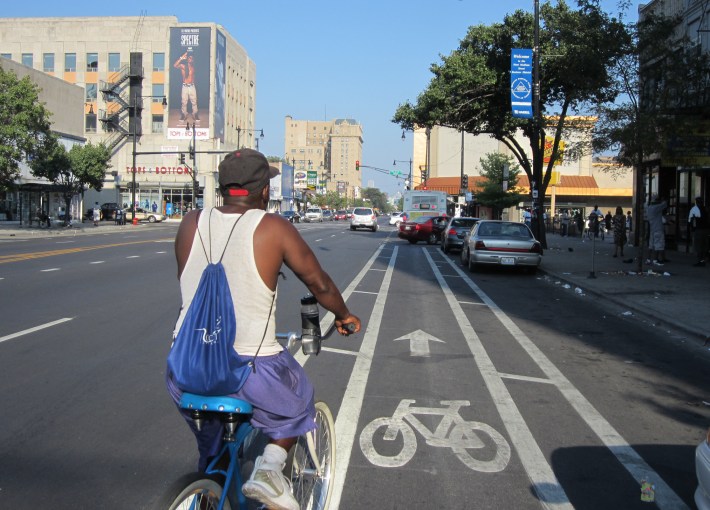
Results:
700 226
657 233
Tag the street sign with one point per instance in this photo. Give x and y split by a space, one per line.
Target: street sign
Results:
521 64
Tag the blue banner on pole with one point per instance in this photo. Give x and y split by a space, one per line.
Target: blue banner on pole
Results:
521 88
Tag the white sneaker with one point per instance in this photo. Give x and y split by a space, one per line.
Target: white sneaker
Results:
268 485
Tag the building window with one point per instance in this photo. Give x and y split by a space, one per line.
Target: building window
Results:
90 92
48 62
114 62
90 123
6 55
27 59
92 62
158 92
158 61
70 62
157 124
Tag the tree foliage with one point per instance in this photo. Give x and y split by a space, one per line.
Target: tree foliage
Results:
470 90
24 124
72 171
493 195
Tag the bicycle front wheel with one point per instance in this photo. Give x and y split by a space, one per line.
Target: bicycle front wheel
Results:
196 490
312 479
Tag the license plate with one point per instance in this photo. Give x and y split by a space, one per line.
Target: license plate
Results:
507 261
407 228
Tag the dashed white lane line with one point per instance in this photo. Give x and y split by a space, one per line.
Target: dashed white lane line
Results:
97 262
50 269
36 328
133 257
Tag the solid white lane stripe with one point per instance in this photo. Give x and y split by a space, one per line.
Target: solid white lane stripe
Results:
36 328
543 479
349 412
627 456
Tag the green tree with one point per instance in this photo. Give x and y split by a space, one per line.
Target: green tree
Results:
470 90
72 171
24 124
377 198
493 194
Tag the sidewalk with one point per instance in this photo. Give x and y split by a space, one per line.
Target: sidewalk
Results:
676 295
12 229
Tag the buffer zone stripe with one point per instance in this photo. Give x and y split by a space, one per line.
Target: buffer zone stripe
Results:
19 257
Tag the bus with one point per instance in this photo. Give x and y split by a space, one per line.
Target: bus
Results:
424 203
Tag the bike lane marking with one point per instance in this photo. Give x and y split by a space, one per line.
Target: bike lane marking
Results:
665 497
543 479
349 412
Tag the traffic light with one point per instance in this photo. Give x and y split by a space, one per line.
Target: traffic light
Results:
464 181
182 158
357 165
424 175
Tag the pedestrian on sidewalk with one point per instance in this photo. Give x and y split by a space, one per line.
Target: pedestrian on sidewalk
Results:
629 225
700 226
96 213
607 221
619 225
564 223
594 218
657 233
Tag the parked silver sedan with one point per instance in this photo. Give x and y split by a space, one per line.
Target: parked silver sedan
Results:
702 471
501 243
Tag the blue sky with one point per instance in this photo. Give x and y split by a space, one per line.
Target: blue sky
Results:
321 60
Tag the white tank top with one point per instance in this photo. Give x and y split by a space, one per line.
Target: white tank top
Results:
252 298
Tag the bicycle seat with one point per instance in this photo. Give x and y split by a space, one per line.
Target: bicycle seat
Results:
219 404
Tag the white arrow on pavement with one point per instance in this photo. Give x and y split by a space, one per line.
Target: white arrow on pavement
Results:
419 342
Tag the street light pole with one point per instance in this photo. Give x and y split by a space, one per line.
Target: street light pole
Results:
193 155
411 183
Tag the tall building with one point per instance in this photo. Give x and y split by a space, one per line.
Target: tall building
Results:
153 89
324 155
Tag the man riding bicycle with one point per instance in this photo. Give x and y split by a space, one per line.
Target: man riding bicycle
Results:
278 389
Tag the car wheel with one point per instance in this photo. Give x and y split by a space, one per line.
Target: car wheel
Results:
352 228
151 219
432 239
464 256
374 228
444 246
471 265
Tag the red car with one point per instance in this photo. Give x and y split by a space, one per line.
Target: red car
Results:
340 215
423 228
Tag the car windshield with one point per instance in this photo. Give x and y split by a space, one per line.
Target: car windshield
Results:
362 212
422 219
314 210
341 212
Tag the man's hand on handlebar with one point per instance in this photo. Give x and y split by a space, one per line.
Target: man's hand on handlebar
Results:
348 326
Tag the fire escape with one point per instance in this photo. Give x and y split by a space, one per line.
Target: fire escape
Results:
122 95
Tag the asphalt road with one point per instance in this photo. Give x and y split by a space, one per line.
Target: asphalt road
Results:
492 390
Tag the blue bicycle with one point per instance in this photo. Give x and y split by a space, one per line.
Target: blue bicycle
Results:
310 464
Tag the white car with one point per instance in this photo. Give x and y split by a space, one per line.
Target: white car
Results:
396 218
363 217
313 214
702 471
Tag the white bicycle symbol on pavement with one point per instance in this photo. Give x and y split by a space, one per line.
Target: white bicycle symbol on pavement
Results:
463 437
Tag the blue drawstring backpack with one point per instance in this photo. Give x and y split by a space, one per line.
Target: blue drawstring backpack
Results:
202 359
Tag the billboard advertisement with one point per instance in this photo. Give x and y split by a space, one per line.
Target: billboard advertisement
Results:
189 98
300 179
219 86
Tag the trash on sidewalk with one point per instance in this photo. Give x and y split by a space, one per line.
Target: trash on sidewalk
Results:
648 491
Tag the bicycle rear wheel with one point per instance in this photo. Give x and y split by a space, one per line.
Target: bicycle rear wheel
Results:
194 491
312 487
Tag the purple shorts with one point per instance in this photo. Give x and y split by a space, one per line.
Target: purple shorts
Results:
282 398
